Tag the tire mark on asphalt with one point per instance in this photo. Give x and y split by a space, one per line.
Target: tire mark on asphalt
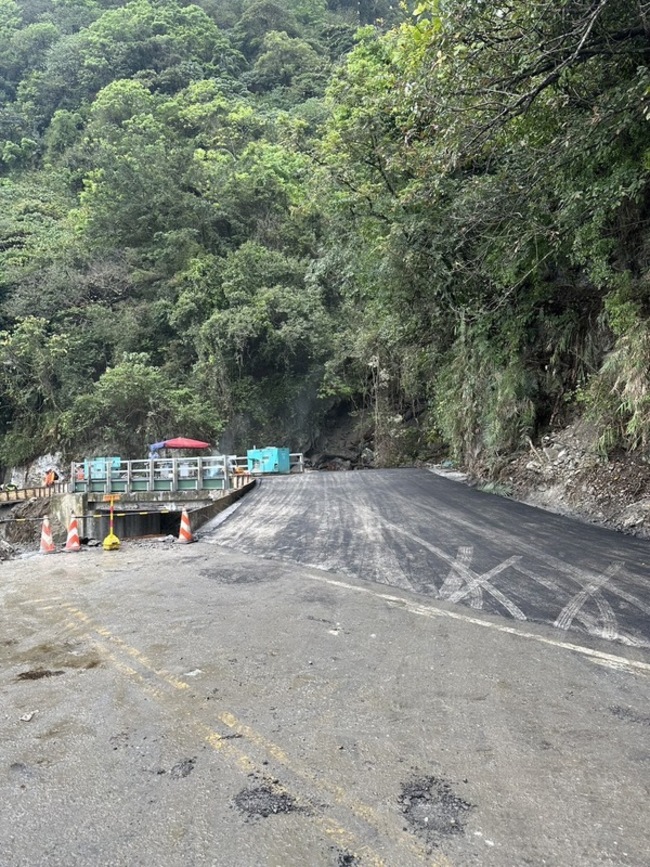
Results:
603 625
454 580
585 578
581 575
476 583
351 501
381 562
611 630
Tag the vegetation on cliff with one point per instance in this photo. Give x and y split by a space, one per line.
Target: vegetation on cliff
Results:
244 215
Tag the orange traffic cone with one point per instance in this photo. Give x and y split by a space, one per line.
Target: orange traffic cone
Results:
47 542
185 534
73 543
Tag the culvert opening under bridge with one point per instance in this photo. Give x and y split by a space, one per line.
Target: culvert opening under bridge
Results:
134 524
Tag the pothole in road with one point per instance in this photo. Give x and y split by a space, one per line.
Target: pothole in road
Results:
347 860
37 674
433 809
264 801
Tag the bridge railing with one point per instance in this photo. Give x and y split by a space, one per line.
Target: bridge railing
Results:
296 462
14 494
212 473
160 474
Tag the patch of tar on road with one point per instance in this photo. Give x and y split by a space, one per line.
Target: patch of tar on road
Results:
628 715
183 769
121 739
433 810
20 769
347 860
264 801
49 660
37 674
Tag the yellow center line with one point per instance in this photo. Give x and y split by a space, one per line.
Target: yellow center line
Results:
244 763
247 765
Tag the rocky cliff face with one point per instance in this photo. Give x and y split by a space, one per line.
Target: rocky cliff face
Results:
33 475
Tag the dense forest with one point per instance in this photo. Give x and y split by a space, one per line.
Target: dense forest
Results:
249 216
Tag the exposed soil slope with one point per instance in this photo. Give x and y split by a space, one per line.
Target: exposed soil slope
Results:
566 474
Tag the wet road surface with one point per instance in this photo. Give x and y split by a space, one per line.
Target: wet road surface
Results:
414 530
201 706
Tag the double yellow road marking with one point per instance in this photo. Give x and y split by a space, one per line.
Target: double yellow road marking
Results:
111 645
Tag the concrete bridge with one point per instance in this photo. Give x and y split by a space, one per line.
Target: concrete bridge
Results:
148 496
204 475
144 513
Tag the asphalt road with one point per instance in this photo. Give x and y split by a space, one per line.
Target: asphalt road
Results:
418 531
203 706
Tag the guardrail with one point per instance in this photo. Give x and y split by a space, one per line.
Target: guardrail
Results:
213 473
17 495
160 474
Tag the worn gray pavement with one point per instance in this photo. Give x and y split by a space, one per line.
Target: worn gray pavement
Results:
186 706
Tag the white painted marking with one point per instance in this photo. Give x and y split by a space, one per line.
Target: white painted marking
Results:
454 580
592 590
473 579
630 665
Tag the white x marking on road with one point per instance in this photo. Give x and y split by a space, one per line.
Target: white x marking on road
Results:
592 591
474 582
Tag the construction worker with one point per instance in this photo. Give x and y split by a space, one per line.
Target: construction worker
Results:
50 478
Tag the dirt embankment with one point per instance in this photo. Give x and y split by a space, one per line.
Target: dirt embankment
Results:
566 474
20 529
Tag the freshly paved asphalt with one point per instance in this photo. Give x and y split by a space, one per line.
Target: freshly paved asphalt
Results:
418 531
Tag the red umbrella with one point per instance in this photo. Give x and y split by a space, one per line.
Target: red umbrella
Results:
185 443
